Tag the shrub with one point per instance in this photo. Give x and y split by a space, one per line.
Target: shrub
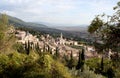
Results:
17 65
59 71
86 73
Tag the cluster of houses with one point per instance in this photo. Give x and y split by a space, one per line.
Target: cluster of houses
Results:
59 42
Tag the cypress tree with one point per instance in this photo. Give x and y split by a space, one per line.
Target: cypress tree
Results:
44 49
102 64
66 59
110 73
83 55
26 46
79 62
82 59
57 52
28 49
71 62
48 48
37 47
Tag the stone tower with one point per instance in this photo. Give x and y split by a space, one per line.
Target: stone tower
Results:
61 39
61 36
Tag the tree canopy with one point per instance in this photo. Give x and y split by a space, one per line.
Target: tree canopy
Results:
107 29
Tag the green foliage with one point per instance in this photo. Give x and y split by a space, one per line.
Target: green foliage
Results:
57 55
59 71
46 62
10 65
48 48
99 66
37 49
113 38
85 74
81 61
83 55
110 73
31 66
107 31
4 19
7 37
28 48
95 25
76 47
71 63
19 47
117 74
44 48
1 36
93 63
99 47
65 60
102 64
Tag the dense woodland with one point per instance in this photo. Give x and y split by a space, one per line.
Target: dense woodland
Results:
22 61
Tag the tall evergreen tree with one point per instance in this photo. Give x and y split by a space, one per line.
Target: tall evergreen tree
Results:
37 48
110 73
79 62
71 62
83 59
57 52
65 59
102 64
28 51
44 48
27 47
48 48
83 55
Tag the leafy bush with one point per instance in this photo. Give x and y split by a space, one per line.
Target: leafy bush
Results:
59 71
86 73
17 65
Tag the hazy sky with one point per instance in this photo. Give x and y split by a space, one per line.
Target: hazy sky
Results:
61 12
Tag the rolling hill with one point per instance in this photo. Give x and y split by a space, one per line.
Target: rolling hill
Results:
18 22
45 29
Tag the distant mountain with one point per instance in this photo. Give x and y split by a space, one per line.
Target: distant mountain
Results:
18 22
46 23
82 28
45 29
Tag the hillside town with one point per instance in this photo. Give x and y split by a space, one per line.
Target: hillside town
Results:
61 43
